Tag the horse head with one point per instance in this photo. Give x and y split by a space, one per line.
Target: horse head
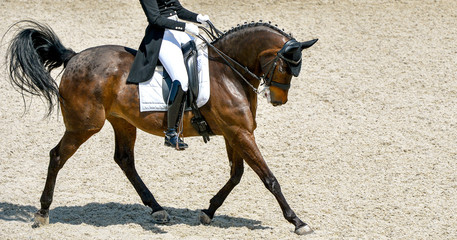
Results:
279 68
267 54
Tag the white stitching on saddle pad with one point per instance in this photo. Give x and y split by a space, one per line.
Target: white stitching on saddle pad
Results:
150 92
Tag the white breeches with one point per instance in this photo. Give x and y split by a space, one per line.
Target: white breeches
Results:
171 56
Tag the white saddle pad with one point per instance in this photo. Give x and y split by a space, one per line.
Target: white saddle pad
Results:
151 95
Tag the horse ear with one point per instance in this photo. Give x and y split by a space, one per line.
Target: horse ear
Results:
308 44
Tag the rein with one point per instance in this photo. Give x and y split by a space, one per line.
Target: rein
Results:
264 79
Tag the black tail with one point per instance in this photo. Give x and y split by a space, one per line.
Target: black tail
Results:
31 56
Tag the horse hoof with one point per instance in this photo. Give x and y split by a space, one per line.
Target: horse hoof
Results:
204 218
40 219
160 217
305 230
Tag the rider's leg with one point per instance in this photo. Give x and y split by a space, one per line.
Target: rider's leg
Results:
176 102
171 56
172 59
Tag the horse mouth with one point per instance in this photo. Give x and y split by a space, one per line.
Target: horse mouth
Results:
276 103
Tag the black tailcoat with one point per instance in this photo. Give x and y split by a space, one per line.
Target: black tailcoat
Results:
157 13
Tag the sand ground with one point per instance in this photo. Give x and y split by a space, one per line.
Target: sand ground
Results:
364 149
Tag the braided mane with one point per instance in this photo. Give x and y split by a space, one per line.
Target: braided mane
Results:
250 25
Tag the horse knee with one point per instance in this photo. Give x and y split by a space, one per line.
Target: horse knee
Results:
118 159
121 161
236 178
125 162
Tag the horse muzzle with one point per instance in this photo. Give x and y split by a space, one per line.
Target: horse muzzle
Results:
277 103
277 98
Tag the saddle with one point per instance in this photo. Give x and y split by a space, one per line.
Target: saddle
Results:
190 59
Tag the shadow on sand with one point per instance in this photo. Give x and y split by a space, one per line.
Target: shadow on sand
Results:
107 214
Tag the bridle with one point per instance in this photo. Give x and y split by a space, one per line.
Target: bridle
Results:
268 75
266 79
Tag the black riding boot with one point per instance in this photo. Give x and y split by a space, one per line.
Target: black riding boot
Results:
176 102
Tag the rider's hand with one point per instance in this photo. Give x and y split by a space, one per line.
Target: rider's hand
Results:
192 28
203 19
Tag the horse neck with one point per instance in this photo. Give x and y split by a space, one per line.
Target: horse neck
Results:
245 46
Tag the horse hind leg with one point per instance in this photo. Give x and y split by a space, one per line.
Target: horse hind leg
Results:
67 146
125 136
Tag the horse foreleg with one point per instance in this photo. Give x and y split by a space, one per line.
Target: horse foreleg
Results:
67 146
125 136
236 172
244 144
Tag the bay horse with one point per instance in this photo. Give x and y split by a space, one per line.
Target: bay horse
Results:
93 89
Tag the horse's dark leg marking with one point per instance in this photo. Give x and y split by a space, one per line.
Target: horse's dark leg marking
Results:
125 136
236 172
67 146
244 143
